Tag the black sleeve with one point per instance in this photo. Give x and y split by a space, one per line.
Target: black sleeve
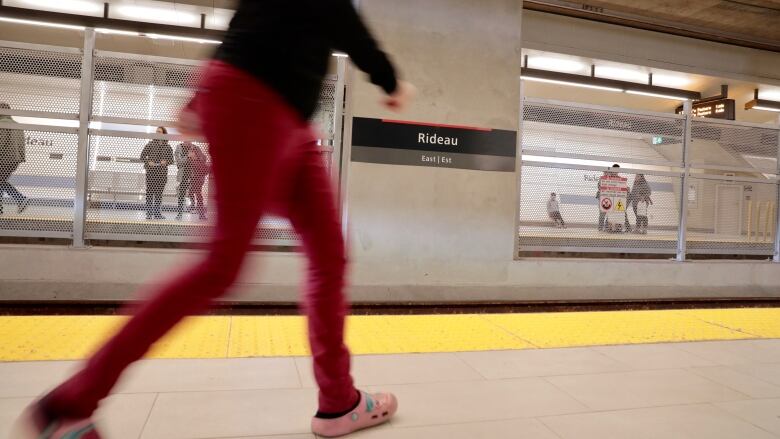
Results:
169 155
145 153
350 35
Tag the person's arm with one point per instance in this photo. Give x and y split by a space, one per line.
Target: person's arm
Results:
350 34
145 155
168 156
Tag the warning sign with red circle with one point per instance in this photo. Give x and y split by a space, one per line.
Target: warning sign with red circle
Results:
606 203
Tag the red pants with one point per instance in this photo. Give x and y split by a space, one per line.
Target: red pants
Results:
264 160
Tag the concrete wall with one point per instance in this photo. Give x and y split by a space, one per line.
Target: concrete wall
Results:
423 225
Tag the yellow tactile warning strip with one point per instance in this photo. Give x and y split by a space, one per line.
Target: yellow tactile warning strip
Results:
41 338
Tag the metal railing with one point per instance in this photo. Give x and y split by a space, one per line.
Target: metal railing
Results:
690 185
85 116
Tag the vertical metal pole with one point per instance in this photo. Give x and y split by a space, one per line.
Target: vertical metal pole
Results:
519 171
776 257
346 151
686 147
82 154
338 124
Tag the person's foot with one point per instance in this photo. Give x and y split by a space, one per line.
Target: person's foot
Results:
372 410
33 424
24 205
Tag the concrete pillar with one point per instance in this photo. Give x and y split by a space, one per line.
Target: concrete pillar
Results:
421 225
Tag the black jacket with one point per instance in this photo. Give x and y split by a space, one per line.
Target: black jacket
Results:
155 152
288 43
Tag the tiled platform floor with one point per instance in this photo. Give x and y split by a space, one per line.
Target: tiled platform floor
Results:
707 390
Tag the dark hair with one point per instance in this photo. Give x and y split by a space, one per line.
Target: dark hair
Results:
615 165
552 194
165 130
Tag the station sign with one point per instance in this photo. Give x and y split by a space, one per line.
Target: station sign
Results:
719 109
433 145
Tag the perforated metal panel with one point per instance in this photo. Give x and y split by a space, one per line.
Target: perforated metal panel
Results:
128 200
733 188
720 146
731 216
37 195
568 148
38 80
133 191
134 89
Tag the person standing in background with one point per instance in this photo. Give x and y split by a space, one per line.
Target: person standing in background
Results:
183 175
12 154
156 156
554 211
200 168
641 201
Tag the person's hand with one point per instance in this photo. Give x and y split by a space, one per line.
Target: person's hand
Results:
401 97
164 163
151 164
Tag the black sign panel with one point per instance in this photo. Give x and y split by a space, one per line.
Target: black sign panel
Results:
720 109
420 144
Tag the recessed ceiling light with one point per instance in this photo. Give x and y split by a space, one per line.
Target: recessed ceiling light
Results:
621 74
672 81
657 95
572 84
72 6
164 15
41 23
556 64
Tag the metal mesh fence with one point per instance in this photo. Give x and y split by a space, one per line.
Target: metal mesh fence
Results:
37 182
137 190
133 89
142 189
732 192
571 197
731 216
717 146
39 80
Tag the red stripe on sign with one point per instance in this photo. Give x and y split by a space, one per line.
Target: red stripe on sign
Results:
436 125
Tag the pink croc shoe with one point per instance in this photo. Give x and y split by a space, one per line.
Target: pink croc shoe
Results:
372 410
32 424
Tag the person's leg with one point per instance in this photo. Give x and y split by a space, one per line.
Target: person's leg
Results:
149 195
181 193
602 220
311 206
233 111
6 170
312 211
162 180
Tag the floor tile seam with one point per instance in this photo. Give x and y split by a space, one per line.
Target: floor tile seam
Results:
480 421
654 342
459 355
742 418
148 416
595 410
229 337
673 345
630 369
721 325
484 318
693 370
630 409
